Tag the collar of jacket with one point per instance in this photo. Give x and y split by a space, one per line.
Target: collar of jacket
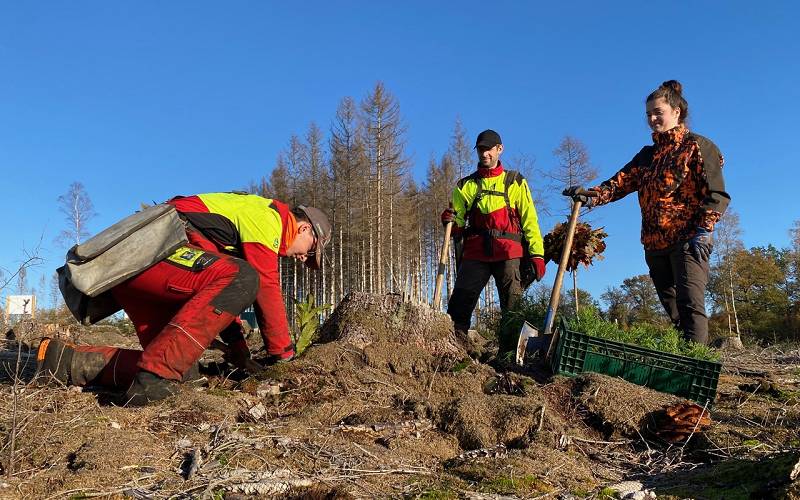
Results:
490 172
672 136
289 233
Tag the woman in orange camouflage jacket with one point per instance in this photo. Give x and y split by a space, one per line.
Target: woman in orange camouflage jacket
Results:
682 195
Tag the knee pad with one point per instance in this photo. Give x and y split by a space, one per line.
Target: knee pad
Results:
247 280
240 292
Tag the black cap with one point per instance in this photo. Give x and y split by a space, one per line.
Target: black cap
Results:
488 139
322 230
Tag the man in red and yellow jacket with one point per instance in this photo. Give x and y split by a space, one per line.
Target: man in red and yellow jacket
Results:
183 302
493 212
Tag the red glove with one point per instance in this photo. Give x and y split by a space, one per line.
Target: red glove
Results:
538 267
449 215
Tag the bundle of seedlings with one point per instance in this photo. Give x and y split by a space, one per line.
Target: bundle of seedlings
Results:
656 337
586 244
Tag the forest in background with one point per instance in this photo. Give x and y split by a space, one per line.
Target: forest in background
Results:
387 235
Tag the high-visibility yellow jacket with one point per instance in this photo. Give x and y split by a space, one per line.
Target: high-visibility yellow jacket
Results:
257 230
495 214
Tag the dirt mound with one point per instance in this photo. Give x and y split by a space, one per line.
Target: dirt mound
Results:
616 408
478 421
388 405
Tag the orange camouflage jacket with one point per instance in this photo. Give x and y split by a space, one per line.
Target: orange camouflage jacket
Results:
680 186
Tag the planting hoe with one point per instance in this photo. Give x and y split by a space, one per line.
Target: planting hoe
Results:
437 293
528 333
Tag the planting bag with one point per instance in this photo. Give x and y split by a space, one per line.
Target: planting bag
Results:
119 252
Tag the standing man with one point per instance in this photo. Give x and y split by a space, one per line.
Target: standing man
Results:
180 304
493 211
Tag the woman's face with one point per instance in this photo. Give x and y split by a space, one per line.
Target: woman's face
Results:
661 116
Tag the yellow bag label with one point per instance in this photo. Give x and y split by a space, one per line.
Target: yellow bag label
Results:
185 256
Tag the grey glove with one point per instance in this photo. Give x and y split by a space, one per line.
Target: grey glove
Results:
573 192
701 244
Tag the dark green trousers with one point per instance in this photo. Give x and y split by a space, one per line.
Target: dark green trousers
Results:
680 280
470 281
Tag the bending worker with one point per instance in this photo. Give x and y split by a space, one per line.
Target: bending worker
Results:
493 211
682 195
180 304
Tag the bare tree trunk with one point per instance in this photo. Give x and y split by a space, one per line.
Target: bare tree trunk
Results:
379 211
575 289
364 267
728 314
341 268
391 240
733 303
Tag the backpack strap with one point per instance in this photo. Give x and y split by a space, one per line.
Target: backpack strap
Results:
488 234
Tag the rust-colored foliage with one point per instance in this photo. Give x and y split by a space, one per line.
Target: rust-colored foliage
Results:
587 244
681 420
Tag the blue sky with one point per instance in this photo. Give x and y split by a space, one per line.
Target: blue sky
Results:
140 101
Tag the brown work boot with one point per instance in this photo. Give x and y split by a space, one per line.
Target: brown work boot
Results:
60 360
148 387
467 341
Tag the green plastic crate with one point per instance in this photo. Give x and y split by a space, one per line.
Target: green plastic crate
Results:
671 373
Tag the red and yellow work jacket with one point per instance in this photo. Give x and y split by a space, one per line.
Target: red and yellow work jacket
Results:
255 229
494 221
680 186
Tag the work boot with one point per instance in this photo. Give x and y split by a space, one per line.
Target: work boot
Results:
193 374
505 361
60 360
53 360
464 337
148 387
279 359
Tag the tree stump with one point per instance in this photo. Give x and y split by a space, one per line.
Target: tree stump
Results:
363 319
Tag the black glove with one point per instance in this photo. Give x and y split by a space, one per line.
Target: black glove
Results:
701 244
238 355
573 191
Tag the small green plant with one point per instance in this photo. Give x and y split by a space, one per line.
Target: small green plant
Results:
307 317
438 494
515 485
607 494
461 365
655 337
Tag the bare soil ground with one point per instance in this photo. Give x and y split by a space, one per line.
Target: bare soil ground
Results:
389 405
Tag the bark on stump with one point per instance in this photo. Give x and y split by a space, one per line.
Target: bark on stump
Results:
362 319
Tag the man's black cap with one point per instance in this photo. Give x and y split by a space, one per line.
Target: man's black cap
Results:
488 139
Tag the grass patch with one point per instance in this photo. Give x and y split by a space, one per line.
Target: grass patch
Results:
607 494
461 365
515 485
437 494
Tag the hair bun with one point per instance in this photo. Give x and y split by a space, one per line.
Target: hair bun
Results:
674 85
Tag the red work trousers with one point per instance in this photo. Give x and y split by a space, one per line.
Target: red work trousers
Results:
178 310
